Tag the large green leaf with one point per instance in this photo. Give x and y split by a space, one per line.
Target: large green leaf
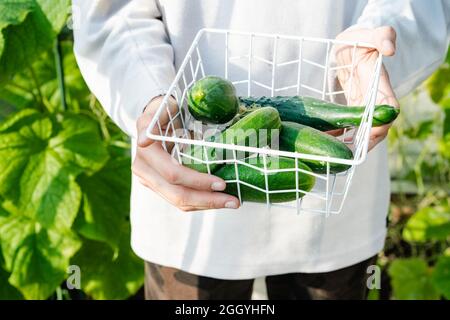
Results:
37 257
24 34
441 276
106 275
411 280
27 29
106 198
43 157
430 223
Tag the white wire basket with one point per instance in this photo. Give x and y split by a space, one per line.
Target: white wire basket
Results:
268 65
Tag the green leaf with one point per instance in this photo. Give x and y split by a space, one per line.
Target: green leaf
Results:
7 291
44 156
411 280
36 257
106 202
25 33
27 29
48 192
79 143
56 12
107 276
430 223
441 276
438 85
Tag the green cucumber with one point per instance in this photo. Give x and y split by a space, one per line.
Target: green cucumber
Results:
213 100
319 114
284 180
296 137
254 130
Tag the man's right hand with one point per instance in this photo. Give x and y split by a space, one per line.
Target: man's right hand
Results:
185 188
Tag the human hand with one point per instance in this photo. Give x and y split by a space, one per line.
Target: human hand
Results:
383 38
184 188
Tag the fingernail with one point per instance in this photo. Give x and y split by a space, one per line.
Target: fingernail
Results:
218 186
388 46
231 205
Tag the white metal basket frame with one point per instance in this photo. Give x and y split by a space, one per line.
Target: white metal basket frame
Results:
326 192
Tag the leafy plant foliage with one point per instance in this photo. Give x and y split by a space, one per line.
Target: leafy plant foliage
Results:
417 254
64 172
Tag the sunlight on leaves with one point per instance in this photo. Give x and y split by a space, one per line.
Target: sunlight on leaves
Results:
44 157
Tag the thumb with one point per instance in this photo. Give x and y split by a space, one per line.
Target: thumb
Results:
384 39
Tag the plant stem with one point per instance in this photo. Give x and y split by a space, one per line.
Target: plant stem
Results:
60 72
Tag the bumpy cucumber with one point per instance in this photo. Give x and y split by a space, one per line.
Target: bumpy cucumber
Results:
276 181
304 139
254 130
213 100
319 114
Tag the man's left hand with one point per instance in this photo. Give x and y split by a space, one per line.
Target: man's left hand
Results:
383 39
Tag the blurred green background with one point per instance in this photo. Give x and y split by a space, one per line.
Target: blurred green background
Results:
65 176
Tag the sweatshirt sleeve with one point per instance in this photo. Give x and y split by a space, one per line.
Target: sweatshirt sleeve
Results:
423 29
124 54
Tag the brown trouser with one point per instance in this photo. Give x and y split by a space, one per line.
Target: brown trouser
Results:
164 283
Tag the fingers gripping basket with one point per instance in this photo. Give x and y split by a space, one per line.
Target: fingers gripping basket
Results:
268 65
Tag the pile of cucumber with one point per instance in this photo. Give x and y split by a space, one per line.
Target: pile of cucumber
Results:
300 123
